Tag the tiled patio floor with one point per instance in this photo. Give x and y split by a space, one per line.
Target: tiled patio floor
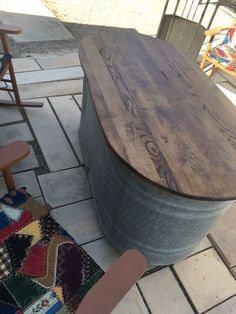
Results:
53 172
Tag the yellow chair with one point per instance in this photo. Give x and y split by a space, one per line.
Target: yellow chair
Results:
222 56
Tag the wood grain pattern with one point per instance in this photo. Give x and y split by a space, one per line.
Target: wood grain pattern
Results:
161 115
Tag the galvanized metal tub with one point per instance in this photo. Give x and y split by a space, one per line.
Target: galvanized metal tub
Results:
134 213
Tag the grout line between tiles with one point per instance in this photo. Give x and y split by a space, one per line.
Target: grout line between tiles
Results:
48 69
63 169
183 288
12 123
153 270
63 67
220 253
76 93
40 188
80 107
210 247
222 256
143 298
59 206
207 311
18 72
37 149
63 130
91 241
35 60
52 81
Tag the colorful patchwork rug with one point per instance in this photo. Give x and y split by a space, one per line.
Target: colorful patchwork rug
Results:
42 269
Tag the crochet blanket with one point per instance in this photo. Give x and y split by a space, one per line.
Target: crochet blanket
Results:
42 269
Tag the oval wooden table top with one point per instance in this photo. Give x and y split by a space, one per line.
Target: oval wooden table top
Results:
161 114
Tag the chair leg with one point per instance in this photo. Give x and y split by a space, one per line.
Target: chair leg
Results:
14 84
212 70
8 177
206 52
203 61
17 101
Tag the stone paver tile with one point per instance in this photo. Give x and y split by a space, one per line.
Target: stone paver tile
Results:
229 78
8 114
203 245
30 162
223 236
14 132
78 98
25 65
65 187
206 279
228 90
228 307
27 179
233 271
102 252
69 115
51 89
79 220
57 61
132 303
24 78
217 78
163 294
37 21
54 145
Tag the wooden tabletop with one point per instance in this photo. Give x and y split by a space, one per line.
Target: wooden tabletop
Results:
161 115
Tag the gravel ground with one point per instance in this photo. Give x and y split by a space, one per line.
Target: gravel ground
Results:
21 50
78 30
38 43
82 17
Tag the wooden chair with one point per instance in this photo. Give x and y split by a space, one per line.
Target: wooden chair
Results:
6 65
224 55
10 155
103 297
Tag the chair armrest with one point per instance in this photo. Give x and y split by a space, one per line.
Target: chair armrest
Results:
103 297
217 30
12 153
10 29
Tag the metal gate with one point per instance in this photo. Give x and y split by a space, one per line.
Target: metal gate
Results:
184 22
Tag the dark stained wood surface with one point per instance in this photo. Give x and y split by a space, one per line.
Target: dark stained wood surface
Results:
161 114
